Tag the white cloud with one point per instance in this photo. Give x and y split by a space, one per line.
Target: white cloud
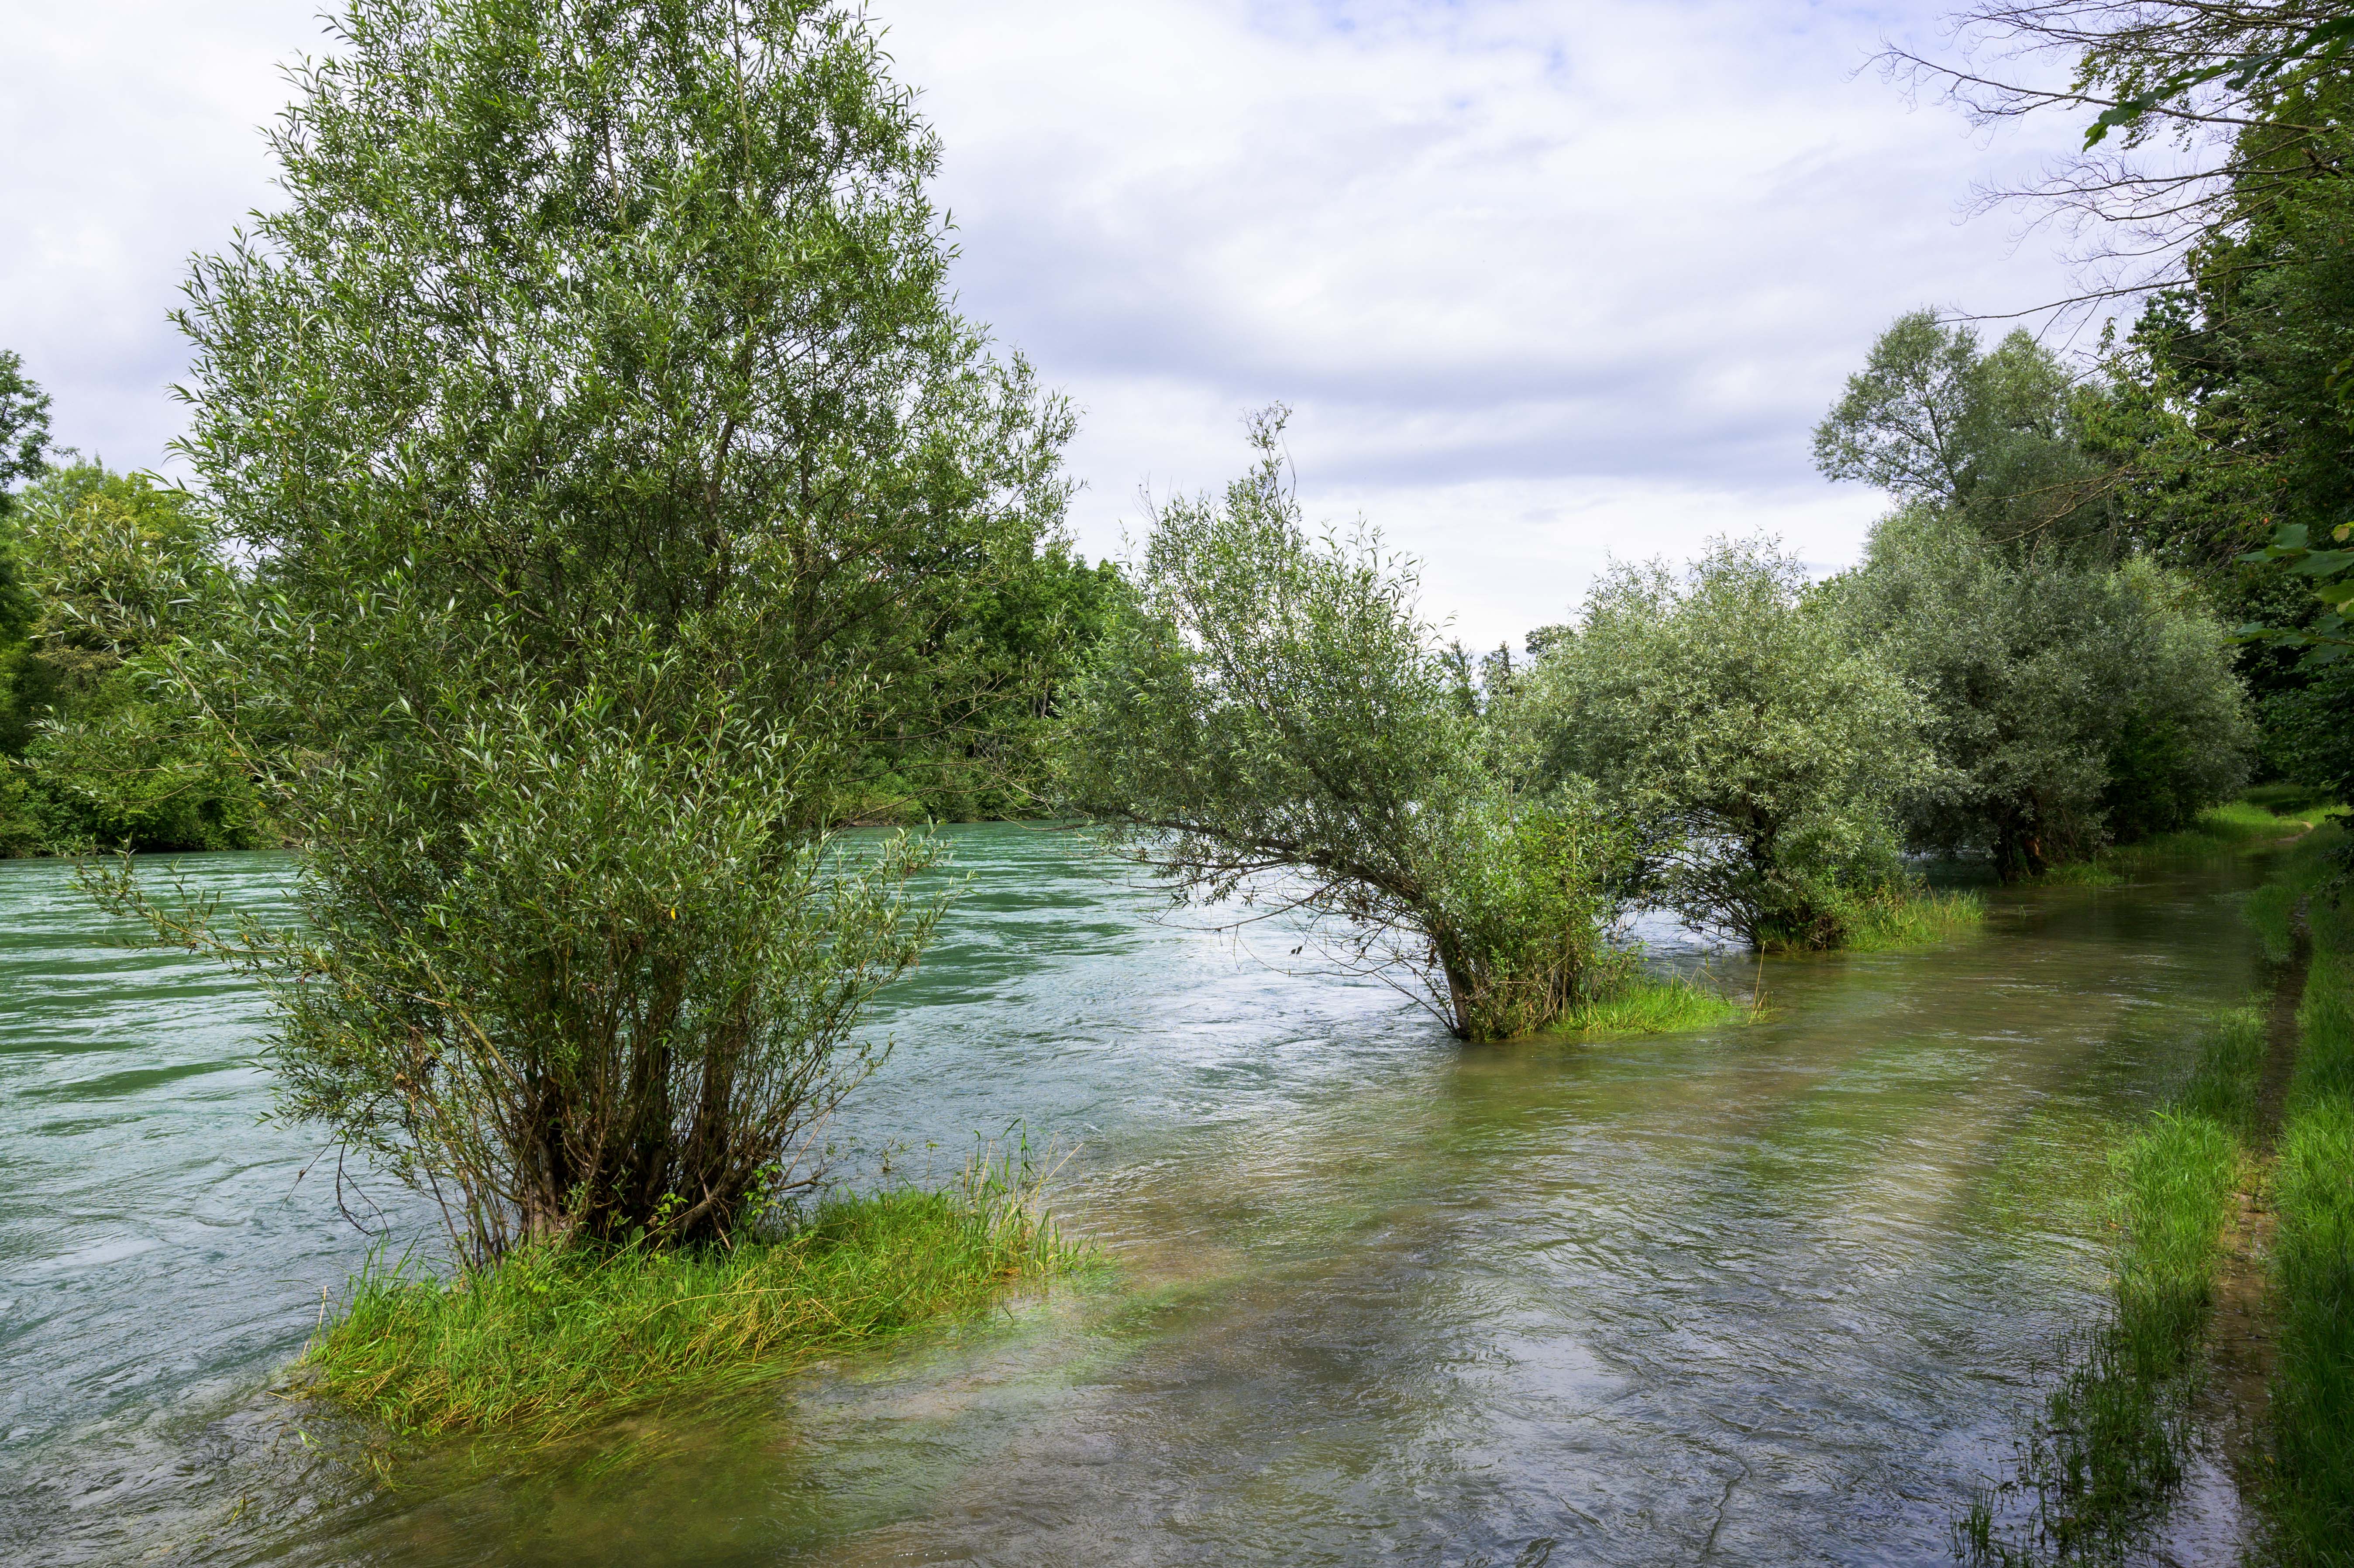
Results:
1541 281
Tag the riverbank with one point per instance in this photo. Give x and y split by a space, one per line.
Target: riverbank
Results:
2106 1455
2249 1171
2312 1495
2268 814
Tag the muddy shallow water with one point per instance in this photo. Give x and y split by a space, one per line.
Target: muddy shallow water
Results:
1772 1293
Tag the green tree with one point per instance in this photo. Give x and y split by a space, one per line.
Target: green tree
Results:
122 570
1992 436
1728 711
2212 187
24 440
2067 702
599 422
996 669
1275 724
24 426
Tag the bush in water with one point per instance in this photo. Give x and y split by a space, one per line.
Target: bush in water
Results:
2065 700
1275 724
1728 712
599 422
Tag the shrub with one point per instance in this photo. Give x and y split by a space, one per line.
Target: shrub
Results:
1733 717
1274 724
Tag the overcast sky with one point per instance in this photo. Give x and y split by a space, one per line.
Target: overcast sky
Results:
1542 282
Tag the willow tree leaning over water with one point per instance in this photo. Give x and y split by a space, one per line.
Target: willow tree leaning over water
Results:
1276 725
596 420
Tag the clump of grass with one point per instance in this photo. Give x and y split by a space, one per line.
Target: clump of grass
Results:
2106 1456
2224 1085
2312 1496
2082 874
1647 1004
1915 920
550 1338
2271 911
2178 1179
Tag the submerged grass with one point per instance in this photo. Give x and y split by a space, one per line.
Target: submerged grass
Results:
551 1339
2261 816
2101 1465
1915 920
2312 1495
1649 1004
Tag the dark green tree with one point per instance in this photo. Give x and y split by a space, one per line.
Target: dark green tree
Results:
120 571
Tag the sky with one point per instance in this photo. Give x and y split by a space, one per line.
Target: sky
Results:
1544 282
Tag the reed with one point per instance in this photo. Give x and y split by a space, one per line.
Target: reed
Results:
551 1339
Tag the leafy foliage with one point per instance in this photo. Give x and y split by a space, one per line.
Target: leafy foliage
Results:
613 459
1274 724
2066 702
1934 421
24 426
121 569
1733 715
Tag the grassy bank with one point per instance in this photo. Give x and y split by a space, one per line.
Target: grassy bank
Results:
2262 816
2105 1458
2312 1249
550 1339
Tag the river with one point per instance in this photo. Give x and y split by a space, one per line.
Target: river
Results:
1774 1293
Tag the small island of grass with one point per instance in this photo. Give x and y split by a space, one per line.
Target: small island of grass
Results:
553 1337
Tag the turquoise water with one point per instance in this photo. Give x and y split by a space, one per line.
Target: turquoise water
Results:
1770 1293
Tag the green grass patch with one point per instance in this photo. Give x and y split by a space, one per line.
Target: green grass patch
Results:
2271 911
2290 800
2219 829
2262 816
2312 1495
1649 1004
1918 919
2105 1459
549 1339
2224 1085
2082 874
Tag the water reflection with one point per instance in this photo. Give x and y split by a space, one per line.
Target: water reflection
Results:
1768 1293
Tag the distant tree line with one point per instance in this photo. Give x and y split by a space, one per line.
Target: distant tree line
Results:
104 575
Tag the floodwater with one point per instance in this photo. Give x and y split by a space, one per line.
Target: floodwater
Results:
1774 1293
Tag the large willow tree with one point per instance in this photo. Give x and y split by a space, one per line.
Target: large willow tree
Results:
596 420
